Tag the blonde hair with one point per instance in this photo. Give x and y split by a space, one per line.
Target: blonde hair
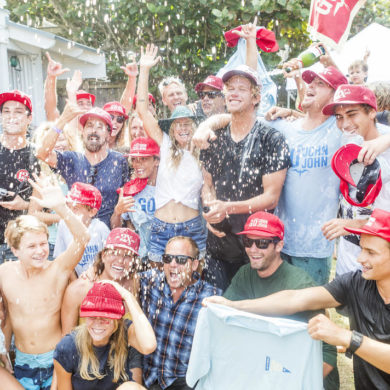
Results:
382 93
177 152
18 227
168 81
358 64
117 355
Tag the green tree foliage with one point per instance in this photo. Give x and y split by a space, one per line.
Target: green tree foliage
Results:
188 32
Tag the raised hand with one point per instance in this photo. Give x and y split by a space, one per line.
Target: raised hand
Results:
70 112
149 56
248 30
51 195
73 84
131 69
54 69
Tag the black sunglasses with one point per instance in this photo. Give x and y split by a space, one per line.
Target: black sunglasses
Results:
180 259
91 178
261 243
119 118
210 94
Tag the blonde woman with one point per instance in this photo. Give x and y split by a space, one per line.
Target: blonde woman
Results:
102 352
179 178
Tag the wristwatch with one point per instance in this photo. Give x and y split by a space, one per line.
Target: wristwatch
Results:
356 342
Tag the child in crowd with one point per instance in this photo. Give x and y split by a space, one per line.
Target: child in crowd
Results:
145 158
358 71
85 201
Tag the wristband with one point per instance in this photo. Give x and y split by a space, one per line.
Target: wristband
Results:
56 129
356 342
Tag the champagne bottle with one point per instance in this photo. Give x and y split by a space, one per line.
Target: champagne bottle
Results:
308 57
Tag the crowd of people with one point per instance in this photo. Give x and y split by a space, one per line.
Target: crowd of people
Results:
117 225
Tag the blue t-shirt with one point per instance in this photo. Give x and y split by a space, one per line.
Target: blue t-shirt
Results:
108 175
142 216
68 356
310 193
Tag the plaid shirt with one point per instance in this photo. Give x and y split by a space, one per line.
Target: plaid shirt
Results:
173 323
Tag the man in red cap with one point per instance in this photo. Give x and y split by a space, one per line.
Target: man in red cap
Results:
85 201
354 107
211 97
267 273
136 204
17 161
366 294
105 169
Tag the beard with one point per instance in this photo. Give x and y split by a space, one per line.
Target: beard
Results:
94 143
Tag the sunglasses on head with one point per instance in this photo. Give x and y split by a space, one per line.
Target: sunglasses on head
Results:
91 178
180 259
210 94
261 243
118 118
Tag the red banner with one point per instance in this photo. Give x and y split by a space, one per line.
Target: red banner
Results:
330 20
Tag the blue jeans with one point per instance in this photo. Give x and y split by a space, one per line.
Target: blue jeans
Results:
317 268
162 232
6 254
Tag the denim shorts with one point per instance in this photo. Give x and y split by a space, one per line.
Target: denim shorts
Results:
34 371
162 231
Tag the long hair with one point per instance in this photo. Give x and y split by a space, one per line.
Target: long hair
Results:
117 356
177 151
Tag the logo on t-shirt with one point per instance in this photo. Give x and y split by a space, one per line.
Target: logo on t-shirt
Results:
275 366
22 175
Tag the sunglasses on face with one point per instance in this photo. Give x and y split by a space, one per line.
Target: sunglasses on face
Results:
91 178
261 243
118 118
180 259
210 95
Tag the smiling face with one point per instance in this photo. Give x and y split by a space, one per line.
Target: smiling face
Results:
117 263
15 118
174 95
95 135
118 121
264 261
318 94
374 258
179 276
100 329
183 131
144 167
212 105
354 119
239 95
33 250
137 128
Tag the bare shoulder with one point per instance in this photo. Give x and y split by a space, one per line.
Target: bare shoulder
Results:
8 269
77 290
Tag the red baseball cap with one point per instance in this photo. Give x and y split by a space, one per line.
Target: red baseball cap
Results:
365 178
242 70
351 94
115 108
123 238
264 224
85 95
133 187
16 96
102 300
86 194
211 81
144 147
377 225
151 99
97 113
331 75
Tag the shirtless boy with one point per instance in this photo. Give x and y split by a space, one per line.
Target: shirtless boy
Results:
33 287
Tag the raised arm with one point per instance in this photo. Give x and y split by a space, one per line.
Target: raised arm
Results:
128 94
147 61
140 334
285 302
53 198
46 151
54 69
